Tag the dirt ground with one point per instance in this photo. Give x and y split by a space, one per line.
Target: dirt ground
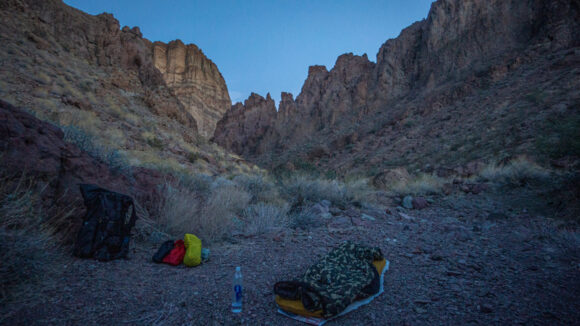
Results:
449 265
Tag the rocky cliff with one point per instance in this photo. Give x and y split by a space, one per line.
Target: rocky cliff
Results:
195 80
86 73
250 123
448 90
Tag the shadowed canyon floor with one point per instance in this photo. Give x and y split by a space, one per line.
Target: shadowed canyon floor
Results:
450 264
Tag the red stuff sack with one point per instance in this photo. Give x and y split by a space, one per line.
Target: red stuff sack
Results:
175 256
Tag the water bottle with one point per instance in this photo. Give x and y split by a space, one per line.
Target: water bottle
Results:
237 298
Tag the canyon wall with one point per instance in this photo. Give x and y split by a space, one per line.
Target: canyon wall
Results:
438 71
195 80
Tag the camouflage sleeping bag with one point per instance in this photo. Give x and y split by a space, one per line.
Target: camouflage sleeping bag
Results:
343 276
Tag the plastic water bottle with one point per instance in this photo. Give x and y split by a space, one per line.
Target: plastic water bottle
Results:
238 290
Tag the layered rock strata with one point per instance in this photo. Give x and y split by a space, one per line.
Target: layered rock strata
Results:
195 80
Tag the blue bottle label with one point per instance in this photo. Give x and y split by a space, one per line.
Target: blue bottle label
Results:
238 291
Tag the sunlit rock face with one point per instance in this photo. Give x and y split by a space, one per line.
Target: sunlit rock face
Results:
195 80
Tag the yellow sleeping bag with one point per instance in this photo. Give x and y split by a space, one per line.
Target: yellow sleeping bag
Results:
296 306
193 250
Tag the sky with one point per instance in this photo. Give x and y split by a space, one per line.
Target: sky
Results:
267 46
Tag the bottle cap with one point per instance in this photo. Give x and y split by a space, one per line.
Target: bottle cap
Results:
238 269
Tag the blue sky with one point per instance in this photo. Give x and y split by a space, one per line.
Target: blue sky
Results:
267 46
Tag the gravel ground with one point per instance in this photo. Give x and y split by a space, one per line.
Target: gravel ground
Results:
448 266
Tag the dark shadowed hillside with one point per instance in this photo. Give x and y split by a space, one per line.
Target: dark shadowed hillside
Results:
476 80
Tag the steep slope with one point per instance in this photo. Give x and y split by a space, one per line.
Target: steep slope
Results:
36 150
195 80
475 80
100 83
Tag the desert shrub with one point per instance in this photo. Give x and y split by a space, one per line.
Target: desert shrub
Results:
302 219
361 191
260 218
314 190
260 187
199 182
421 184
518 172
85 141
193 156
184 210
229 197
152 140
179 210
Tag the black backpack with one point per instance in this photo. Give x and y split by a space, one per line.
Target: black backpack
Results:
106 229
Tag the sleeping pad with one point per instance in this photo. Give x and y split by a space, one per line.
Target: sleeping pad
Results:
344 275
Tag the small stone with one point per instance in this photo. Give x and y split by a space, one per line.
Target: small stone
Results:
497 216
418 251
367 217
486 308
335 210
436 257
326 216
352 212
318 209
408 202
419 203
478 187
420 310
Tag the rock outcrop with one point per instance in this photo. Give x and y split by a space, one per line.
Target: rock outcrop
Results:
84 71
252 120
195 80
35 149
444 90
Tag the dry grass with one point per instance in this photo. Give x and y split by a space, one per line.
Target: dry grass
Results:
19 203
517 172
422 184
303 188
261 218
311 189
262 188
360 190
25 245
211 218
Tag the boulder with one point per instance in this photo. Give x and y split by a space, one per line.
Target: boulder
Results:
419 203
37 150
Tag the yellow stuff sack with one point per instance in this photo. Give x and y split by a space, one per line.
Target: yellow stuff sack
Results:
193 250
